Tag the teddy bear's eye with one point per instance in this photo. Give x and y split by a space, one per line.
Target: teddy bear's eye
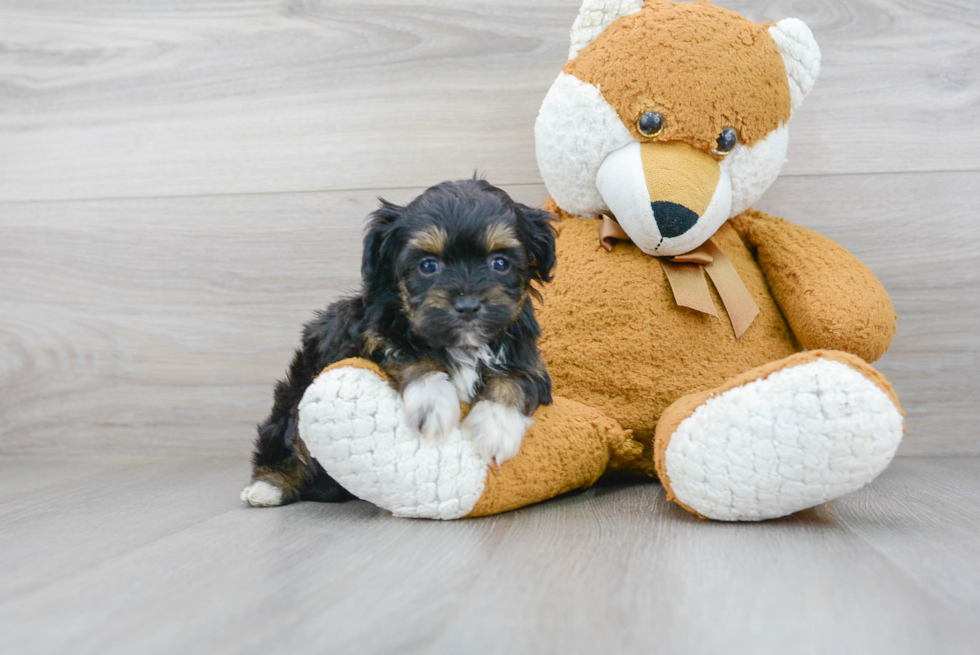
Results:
727 141
650 124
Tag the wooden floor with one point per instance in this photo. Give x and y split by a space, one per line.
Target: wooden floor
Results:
182 183
140 555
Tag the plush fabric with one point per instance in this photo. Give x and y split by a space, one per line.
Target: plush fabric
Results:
630 178
353 422
828 297
575 131
785 416
801 56
569 447
615 339
594 17
656 60
753 170
782 437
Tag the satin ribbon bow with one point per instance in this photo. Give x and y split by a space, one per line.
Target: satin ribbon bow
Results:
687 283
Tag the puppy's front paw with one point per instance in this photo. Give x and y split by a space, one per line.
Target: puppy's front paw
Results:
262 494
432 405
496 430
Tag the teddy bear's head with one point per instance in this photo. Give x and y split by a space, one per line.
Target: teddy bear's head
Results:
671 116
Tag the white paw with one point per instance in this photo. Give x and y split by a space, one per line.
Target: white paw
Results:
262 494
432 406
496 430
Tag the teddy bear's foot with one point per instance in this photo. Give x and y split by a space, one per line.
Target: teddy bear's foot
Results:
783 437
356 426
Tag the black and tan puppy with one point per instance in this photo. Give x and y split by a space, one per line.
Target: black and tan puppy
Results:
445 310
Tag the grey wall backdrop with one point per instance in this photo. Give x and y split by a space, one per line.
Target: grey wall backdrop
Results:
183 183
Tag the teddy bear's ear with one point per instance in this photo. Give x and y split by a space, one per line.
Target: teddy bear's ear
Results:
595 16
801 56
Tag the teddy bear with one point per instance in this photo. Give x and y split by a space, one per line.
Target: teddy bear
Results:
690 338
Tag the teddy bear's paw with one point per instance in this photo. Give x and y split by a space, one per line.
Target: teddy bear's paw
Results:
357 427
496 430
432 406
794 439
262 494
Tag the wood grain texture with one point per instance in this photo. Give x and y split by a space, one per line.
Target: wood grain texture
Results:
924 508
160 325
158 557
61 515
130 99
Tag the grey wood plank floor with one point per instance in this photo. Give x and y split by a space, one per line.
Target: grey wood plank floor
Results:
140 555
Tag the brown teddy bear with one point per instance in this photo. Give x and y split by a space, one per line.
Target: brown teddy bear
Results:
689 336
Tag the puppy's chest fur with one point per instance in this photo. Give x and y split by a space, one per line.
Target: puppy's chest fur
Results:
466 365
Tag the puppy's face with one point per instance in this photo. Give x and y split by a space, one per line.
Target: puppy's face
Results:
461 258
462 282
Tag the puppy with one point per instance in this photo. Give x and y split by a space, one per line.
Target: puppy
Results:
445 310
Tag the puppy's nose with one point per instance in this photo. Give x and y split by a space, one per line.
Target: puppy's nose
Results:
467 307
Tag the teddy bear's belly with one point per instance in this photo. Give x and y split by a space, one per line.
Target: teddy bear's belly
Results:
614 339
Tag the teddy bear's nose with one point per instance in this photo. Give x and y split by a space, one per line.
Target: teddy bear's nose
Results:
672 219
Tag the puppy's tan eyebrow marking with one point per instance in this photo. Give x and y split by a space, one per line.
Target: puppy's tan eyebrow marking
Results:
499 237
430 239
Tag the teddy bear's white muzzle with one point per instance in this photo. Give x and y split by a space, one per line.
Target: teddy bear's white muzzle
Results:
669 198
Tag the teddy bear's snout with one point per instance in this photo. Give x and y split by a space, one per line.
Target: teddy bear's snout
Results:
668 197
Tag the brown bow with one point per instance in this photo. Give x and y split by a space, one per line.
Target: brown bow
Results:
687 282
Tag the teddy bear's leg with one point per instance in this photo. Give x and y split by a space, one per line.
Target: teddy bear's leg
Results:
780 438
354 424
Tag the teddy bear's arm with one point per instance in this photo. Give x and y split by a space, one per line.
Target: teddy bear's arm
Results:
830 299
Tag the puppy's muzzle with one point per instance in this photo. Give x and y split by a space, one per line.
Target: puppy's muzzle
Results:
468 308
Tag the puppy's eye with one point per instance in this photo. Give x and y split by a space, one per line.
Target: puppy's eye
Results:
727 141
650 124
499 264
429 267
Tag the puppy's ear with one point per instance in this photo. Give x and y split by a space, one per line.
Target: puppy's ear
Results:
538 235
376 263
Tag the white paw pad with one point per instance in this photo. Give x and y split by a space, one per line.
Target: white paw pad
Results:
795 439
432 406
262 494
357 427
496 430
